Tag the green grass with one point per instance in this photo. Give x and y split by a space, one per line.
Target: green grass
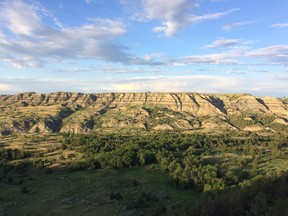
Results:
67 192
87 192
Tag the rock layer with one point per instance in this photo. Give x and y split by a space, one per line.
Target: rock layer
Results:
81 113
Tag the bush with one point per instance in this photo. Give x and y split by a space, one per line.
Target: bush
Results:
142 201
13 154
39 164
71 156
48 171
38 154
20 181
24 189
79 165
115 196
63 146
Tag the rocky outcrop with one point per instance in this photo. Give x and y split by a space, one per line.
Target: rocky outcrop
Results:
281 121
163 127
40 127
276 106
82 113
253 128
217 123
34 99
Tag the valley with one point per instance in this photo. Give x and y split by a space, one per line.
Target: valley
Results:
143 154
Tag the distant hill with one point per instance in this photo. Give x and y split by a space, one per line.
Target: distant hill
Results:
82 113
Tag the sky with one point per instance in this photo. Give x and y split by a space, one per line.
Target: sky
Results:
93 46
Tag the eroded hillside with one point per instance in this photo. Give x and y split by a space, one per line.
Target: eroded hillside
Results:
81 113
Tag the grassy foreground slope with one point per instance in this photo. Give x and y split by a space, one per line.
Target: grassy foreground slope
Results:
91 193
159 173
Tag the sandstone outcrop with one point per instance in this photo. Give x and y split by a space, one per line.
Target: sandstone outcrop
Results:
83 113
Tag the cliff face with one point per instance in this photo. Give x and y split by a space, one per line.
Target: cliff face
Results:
80 113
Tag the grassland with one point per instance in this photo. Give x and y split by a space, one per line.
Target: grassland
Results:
63 192
131 174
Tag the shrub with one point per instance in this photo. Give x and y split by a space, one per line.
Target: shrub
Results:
71 156
115 196
24 189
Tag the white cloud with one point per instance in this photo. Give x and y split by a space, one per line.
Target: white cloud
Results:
212 16
24 62
113 69
29 42
125 87
22 19
233 26
173 15
218 58
222 43
194 83
5 87
274 54
229 43
280 25
236 55
26 41
198 83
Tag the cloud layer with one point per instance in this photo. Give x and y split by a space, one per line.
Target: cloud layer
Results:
222 43
273 85
27 41
108 50
280 25
173 15
236 25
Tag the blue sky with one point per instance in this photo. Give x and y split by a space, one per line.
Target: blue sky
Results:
209 46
